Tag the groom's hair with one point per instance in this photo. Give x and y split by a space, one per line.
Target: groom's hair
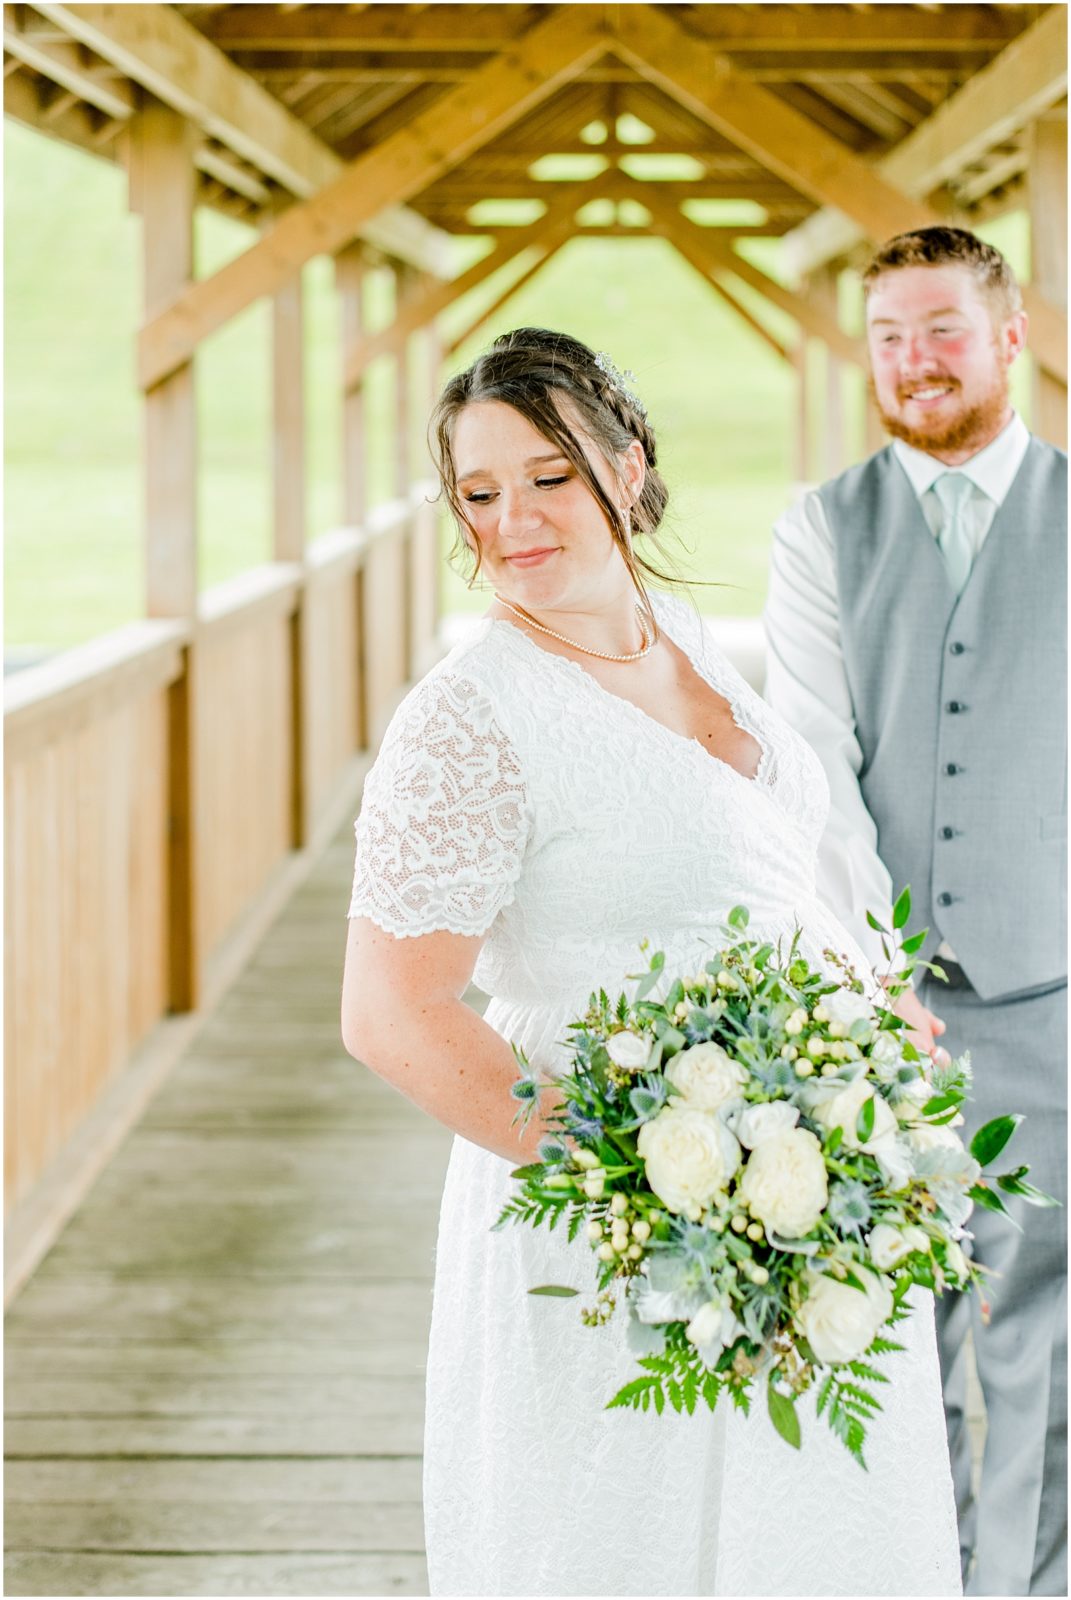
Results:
951 247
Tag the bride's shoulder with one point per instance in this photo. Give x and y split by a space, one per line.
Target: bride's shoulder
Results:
467 680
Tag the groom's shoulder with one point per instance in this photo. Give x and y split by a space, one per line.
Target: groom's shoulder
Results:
1050 457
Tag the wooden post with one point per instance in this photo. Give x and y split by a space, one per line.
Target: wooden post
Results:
288 530
162 188
802 454
1048 247
425 559
826 289
350 271
406 283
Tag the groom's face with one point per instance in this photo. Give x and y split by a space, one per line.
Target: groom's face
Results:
939 358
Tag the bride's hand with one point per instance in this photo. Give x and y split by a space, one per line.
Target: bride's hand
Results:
923 1027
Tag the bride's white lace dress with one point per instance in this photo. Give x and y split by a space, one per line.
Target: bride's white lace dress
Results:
516 798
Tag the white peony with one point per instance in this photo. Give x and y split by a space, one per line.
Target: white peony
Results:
845 1006
842 1110
785 1183
628 1051
755 1124
689 1156
713 1328
888 1246
840 1322
705 1076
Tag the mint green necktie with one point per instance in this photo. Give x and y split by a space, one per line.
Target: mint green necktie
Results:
953 490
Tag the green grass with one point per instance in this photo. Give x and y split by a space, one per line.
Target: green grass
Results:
723 404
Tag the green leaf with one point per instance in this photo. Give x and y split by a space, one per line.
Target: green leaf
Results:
739 917
783 1416
990 1202
1012 1183
534 1170
558 1290
875 924
942 1102
990 1140
864 1122
902 908
911 946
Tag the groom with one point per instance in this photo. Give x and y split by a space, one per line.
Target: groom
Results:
916 637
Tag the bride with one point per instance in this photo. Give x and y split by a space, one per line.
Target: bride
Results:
586 771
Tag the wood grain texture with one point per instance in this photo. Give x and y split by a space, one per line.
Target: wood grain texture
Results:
215 1379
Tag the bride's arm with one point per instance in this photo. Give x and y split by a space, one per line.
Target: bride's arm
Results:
403 1016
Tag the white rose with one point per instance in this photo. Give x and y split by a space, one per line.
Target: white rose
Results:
705 1076
628 1051
689 1156
918 1091
934 1136
713 1328
888 1246
886 1048
840 1322
917 1239
894 1158
845 1006
756 1124
785 1183
842 1110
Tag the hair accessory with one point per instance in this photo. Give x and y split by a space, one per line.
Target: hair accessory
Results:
620 380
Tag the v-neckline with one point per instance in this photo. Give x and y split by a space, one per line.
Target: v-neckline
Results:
757 779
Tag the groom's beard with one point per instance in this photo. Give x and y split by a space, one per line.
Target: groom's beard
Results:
974 426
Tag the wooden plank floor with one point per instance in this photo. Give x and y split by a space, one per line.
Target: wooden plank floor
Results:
215 1378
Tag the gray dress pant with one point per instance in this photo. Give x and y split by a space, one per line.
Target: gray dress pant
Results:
1013 1538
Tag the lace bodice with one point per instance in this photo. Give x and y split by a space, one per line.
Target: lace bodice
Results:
516 798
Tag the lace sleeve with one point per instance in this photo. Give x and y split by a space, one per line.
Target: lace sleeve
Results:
444 817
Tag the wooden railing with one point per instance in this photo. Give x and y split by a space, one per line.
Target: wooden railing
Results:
156 778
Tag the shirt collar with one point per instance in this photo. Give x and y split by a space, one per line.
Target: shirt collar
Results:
992 469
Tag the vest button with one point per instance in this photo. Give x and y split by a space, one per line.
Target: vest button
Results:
944 899
956 648
954 706
951 769
948 833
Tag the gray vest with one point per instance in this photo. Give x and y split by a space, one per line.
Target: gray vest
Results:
961 713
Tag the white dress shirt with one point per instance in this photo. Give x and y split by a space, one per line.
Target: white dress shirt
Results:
806 679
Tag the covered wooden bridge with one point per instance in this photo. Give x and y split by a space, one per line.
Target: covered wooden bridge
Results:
219 1231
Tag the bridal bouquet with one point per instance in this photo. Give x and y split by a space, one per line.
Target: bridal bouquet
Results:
762 1169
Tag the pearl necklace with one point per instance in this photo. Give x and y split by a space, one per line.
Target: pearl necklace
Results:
603 655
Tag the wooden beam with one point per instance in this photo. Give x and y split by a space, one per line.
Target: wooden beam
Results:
499 301
511 84
453 28
556 222
159 50
783 140
716 258
65 63
1024 81
1048 250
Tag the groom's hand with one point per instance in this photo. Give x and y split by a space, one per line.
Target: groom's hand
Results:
923 1027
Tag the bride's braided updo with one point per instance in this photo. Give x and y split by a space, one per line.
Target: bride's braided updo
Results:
535 370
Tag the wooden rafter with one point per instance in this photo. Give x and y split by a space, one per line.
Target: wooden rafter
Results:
460 123
761 123
1023 82
551 228
753 28
716 258
155 47
531 271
